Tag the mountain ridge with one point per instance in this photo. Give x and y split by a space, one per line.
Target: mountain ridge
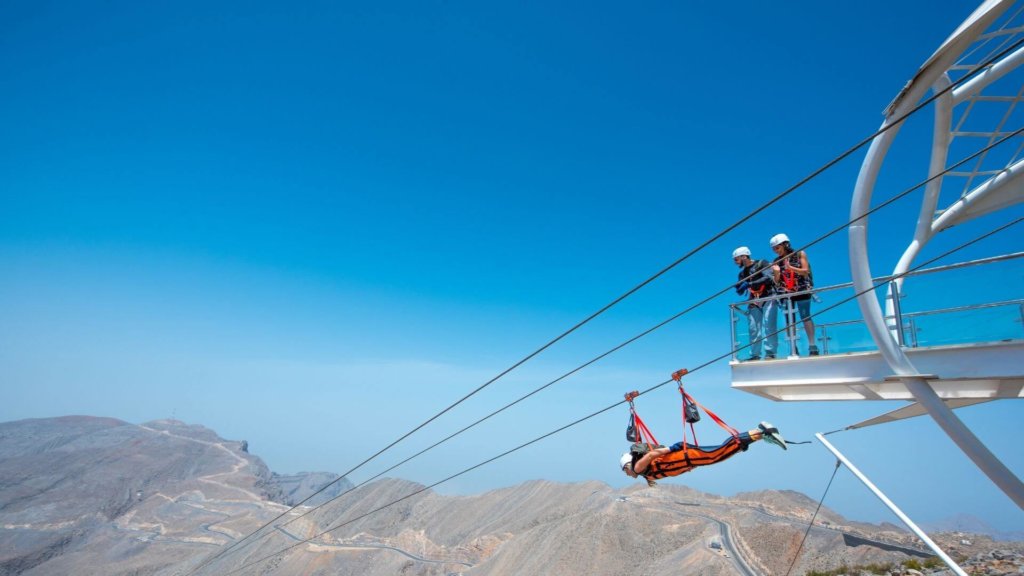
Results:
88 495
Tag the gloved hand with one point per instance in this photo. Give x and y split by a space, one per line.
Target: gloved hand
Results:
742 287
640 448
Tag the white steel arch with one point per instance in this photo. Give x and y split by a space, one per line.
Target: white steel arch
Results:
999 189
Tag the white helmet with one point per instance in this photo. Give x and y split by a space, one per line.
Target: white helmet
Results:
627 458
741 251
778 239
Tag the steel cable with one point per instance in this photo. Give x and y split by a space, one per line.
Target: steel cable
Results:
612 406
654 328
895 122
811 523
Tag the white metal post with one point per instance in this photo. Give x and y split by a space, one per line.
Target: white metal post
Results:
895 509
732 327
791 333
897 312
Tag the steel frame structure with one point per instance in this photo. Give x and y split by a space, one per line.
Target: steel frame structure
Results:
1000 189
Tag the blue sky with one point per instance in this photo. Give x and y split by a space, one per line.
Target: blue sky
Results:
314 227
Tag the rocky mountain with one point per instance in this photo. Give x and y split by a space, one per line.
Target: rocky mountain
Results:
318 487
87 496
971 524
104 496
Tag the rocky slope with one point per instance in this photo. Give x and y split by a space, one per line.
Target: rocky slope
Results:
84 495
318 487
98 496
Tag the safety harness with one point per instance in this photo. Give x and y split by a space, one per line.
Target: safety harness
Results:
788 280
757 267
643 440
791 281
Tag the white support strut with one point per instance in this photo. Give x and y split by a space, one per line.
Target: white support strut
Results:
895 509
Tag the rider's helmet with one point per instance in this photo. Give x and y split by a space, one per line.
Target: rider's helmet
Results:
627 458
778 239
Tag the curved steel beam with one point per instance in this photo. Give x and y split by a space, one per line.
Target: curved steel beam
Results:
860 267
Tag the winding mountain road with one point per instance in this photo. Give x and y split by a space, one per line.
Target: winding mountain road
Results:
737 559
209 478
373 547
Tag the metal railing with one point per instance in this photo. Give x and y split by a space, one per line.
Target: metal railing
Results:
909 323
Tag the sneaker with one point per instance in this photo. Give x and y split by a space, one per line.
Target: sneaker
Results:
812 350
750 359
771 435
769 356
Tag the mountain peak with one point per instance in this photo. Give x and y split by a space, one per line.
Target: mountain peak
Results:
89 495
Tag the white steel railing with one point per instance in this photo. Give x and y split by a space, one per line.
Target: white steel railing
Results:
907 322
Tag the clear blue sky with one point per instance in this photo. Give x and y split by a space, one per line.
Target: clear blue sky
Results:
314 226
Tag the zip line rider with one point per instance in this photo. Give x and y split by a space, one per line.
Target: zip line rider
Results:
756 278
657 462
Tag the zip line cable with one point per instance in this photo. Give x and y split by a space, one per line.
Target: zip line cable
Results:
811 523
631 340
636 288
616 404
657 326
594 414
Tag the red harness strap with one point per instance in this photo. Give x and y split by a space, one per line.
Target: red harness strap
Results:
789 280
642 430
678 377
645 434
732 431
686 397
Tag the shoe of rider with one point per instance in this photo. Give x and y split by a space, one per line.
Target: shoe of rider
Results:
771 435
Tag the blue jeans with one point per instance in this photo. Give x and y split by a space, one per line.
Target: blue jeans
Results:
763 319
744 439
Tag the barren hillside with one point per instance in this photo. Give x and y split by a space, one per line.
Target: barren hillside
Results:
82 495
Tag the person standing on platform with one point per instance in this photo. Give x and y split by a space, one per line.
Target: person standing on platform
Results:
756 280
792 272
